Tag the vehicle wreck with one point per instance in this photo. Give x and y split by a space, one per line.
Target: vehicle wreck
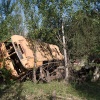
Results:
21 55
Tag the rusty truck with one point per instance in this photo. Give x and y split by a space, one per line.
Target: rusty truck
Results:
21 55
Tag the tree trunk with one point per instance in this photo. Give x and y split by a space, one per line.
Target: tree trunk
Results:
65 54
34 67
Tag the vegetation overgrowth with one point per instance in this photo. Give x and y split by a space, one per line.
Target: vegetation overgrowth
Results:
31 91
42 19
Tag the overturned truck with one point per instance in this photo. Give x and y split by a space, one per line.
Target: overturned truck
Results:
22 55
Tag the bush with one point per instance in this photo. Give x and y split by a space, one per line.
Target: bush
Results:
5 76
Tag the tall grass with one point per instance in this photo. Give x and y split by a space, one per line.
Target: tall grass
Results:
44 91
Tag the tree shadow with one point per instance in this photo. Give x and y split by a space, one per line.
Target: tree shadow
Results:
88 90
3 90
11 92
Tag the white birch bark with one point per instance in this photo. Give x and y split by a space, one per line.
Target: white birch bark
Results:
65 53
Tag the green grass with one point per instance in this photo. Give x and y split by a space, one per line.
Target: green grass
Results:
43 91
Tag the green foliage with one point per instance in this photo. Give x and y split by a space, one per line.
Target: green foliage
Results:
83 32
5 75
43 20
10 19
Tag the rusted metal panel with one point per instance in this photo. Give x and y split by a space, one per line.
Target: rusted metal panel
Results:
7 60
44 52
